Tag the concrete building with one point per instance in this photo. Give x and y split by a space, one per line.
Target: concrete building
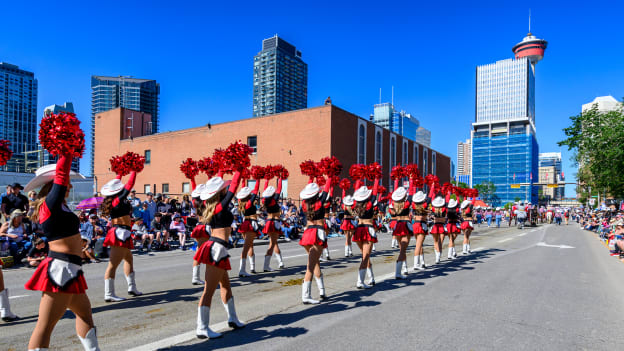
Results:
423 136
18 114
551 174
504 144
464 159
280 78
287 138
45 158
603 103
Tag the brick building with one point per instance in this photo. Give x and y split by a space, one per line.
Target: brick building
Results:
286 138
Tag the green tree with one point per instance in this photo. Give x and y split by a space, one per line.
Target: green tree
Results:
487 191
596 138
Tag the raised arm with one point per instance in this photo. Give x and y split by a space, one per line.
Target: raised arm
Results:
225 202
193 184
325 194
56 196
373 197
278 191
126 190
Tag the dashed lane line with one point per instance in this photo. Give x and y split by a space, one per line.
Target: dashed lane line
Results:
502 241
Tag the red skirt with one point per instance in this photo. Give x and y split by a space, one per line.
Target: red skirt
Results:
451 228
112 239
41 281
363 233
401 228
271 226
200 232
347 225
418 228
438 228
314 235
466 225
249 226
214 252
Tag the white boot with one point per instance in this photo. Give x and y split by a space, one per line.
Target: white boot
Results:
5 307
454 253
203 328
196 274
468 248
109 291
360 283
350 251
233 321
132 289
371 276
326 253
405 272
422 261
306 294
374 247
416 262
89 342
321 286
397 271
395 243
465 250
242 268
346 250
267 264
252 264
450 253
280 261
437 256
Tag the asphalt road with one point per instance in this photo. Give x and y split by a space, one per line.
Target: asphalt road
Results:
518 290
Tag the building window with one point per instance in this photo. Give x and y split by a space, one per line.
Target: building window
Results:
416 155
165 188
405 158
362 144
186 188
147 188
252 142
392 151
378 147
148 156
433 163
425 159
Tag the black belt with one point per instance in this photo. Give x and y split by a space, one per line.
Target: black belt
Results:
316 226
220 241
366 225
65 257
402 220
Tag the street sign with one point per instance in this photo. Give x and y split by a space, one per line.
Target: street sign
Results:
515 186
553 185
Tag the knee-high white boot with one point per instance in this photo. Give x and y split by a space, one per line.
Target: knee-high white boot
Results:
405 271
397 270
468 248
417 262
109 291
321 286
5 307
360 282
422 262
326 253
395 243
252 264
371 276
437 256
242 272
306 294
346 250
450 253
89 342
374 248
233 321
203 330
132 289
350 251
280 261
196 275
267 264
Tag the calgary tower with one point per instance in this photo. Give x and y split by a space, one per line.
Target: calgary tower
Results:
531 47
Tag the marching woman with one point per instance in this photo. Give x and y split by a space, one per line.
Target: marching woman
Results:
420 206
438 229
452 225
59 277
201 232
119 238
273 225
347 225
314 238
467 226
5 307
247 199
402 225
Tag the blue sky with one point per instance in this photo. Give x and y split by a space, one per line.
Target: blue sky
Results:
201 53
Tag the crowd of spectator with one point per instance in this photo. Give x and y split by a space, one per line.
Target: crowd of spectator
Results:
608 224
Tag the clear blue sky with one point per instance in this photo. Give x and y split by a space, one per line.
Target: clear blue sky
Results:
201 53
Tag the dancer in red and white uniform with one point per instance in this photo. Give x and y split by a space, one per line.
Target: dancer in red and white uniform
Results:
59 277
348 223
201 232
467 226
247 199
452 228
119 238
214 253
5 306
273 225
420 205
438 229
365 235
402 226
314 238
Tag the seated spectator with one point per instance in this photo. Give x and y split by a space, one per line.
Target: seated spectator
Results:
14 231
88 254
178 227
162 233
37 253
140 231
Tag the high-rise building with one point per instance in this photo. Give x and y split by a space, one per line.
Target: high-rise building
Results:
44 156
464 158
18 114
504 145
551 174
112 92
423 136
400 122
280 78
603 103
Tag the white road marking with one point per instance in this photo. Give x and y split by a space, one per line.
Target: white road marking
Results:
478 249
557 246
17 296
177 339
522 234
502 241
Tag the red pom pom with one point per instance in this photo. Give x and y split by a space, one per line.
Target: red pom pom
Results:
257 172
320 180
5 152
60 134
269 172
189 168
280 172
220 158
397 172
308 168
208 166
381 190
411 171
118 166
330 166
335 180
245 174
373 171
431 179
235 157
418 181
345 184
134 162
357 171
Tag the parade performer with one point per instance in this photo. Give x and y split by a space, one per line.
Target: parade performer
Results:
420 205
439 220
247 199
452 223
396 174
401 224
60 277
5 307
466 211
273 225
365 208
347 226
217 195
200 233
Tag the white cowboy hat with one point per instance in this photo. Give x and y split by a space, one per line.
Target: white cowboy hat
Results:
498 209
348 200
112 187
310 191
452 203
362 194
268 192
465 204
198 190
45 175
243 193
438 201
399 194
419 197
213 186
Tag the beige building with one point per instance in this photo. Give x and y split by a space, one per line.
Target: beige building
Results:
464 158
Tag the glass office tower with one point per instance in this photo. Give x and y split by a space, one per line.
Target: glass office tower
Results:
400 122
280 78
108 93
18 114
